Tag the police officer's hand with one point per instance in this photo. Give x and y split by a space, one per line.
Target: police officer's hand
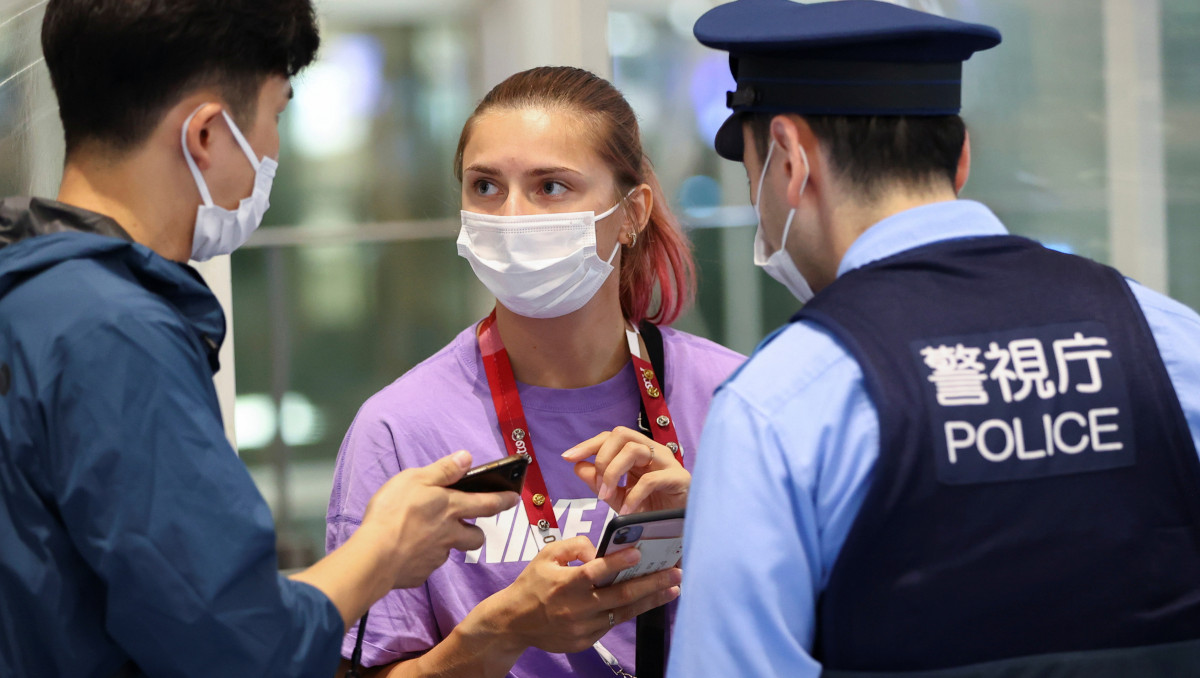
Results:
557 607
655 480
418 520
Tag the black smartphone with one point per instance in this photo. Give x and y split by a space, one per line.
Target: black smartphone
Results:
502 475
657 534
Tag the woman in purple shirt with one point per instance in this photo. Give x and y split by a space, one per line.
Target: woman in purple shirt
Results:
556 196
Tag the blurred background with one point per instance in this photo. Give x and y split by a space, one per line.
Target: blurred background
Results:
1082 127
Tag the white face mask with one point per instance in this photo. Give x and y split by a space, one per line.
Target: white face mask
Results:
218 230
779 265
537 265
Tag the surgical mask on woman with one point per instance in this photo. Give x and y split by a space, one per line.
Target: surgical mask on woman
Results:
537 265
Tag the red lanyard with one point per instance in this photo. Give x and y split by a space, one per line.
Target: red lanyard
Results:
661 427
507 401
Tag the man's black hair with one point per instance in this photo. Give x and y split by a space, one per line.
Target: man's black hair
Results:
118 65
870 153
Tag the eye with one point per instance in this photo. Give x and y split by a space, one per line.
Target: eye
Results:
553 188
486 188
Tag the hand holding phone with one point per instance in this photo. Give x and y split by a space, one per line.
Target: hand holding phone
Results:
658 535
502 475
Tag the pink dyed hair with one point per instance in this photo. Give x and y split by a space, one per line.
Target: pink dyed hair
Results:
662 258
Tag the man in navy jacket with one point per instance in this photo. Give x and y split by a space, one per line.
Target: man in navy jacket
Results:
132 539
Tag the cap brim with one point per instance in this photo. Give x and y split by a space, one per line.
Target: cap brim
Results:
729 143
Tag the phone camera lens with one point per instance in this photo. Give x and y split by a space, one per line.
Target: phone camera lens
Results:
627 535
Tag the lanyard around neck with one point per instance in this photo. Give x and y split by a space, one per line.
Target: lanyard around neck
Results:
515 430
654 401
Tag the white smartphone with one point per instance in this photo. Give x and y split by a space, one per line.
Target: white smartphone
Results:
657 534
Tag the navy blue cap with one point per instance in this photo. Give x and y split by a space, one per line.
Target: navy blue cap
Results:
850 57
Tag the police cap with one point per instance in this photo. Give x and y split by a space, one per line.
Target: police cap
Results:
850 57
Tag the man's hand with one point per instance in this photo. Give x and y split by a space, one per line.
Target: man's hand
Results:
408 529
415 520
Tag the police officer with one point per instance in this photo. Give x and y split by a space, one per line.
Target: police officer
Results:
966 450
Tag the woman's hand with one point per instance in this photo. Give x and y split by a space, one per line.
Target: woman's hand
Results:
655 480
556 607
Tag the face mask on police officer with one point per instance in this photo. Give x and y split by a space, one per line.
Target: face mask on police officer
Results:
779 264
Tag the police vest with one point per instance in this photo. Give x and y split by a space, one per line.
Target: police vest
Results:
1037 492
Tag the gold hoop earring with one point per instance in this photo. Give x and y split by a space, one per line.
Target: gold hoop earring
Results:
632 239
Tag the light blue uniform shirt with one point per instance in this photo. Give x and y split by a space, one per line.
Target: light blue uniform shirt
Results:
786 459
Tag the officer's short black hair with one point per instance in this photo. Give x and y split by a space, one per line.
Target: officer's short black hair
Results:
118 65
870 153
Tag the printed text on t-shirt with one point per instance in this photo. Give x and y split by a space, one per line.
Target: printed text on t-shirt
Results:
507 537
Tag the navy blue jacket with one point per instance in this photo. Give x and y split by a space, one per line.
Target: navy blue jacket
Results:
131 536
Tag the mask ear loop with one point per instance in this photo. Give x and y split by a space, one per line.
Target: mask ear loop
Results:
762 179
191 162
606 215
616 248
612 209
241 140
791 215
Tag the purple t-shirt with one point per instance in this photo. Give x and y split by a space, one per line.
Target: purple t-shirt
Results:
444 405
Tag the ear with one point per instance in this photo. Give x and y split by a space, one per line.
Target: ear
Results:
795 141
964 165
198 135
638 207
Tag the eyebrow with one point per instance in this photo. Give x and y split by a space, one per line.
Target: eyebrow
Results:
543 171
482 169
539 172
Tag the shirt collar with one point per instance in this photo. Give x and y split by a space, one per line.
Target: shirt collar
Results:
920 226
